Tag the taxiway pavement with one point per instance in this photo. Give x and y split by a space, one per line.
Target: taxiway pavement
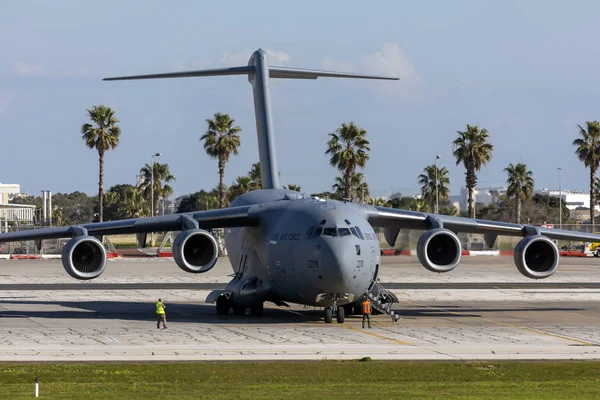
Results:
483 310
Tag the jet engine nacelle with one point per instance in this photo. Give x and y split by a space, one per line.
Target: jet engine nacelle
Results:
439 250
195 251
536 257
84 257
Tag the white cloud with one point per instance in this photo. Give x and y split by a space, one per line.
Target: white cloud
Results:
241 58
23 69
342 66
278 57
390 60
5 98
178 66
82 72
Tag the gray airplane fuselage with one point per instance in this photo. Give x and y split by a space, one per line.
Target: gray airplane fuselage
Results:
305 250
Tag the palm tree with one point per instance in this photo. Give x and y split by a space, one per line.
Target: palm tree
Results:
520 186
357 185
448 210
473 149
379 201
220 140
588 151
161 174
427 180
135 204
291 186
349 149
419 205
102 136
243 184
255 176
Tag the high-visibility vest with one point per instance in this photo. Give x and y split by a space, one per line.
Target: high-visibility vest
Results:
160 308
366 307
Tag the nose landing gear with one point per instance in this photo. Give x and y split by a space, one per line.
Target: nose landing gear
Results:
340 314
328 315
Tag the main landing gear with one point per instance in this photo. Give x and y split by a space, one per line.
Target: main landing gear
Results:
224 306
340 315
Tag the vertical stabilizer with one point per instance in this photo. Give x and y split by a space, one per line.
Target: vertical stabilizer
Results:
264 119
259 73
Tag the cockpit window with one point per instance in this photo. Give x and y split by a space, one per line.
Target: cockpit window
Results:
309 232
360 234
317 232
330 232
344 232
353 230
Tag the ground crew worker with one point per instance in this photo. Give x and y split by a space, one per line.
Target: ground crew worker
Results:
366 309
161 315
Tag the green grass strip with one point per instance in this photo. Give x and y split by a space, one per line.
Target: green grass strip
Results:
305 380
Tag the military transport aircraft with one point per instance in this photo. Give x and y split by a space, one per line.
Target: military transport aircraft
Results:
286 246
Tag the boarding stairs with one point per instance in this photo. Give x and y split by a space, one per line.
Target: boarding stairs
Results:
381 299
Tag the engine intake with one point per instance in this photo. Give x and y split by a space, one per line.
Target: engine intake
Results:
536 257
84 257
195 251
439 250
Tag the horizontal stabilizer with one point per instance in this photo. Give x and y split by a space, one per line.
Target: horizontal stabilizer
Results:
187 74
274 72
299 73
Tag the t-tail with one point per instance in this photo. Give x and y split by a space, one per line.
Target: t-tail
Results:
259 71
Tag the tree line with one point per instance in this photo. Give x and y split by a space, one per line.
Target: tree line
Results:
348 150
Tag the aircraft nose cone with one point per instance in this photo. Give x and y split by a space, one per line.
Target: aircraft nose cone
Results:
336 272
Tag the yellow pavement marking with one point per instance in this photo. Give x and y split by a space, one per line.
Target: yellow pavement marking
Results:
400 342
524 328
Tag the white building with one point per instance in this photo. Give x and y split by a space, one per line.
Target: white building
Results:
485 196
8 191
10 212
572 198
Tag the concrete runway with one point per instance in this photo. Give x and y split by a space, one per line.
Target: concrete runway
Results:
482 310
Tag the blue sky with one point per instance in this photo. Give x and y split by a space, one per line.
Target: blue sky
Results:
526 71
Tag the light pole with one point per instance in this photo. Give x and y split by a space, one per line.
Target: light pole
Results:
152 181
559 198
437 197
152 191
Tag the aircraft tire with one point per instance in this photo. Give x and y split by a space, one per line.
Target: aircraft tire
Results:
223 306
340 315
239 310
328 315
257 310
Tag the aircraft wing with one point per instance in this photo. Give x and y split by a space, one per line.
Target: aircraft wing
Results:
226 217
395 219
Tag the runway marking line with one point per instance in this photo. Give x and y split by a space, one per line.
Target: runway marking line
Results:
400 342
524 328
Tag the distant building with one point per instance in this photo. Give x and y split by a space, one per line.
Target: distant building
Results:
11 212
572 198
8 191
483 196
